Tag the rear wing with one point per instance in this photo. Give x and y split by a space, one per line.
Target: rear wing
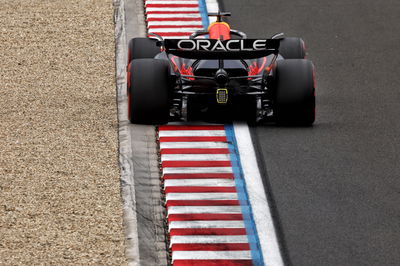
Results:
221 49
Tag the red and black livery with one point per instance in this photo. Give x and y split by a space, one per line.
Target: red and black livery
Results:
220 71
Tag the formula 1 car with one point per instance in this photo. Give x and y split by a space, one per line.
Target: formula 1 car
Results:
220 70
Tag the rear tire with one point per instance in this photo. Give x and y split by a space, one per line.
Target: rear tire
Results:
294 95
139 48
292 48
148 92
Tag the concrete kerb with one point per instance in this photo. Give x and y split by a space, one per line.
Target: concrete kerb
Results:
140 188
125 151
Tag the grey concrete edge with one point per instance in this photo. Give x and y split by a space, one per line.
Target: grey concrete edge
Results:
137 155
125 150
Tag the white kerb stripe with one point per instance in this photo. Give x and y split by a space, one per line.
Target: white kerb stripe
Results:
169 0
173 23
172 2
201 196
211 239
173 30
191 133
175 9
164 0
173 15
205 224
211 182
204 209
211 255
193 145
176 37
196 170
195 157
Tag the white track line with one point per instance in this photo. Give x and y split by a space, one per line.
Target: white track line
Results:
259 204
205 224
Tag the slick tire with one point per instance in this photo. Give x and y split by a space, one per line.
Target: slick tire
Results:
148 91
292 48
139 48
294 94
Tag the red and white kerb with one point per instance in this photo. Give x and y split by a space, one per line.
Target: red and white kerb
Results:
205 221
173 18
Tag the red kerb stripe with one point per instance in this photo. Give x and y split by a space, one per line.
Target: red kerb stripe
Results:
199 189
205 217
199 176
202 203
174 19
196 164
207 231
195 151
193 139
213 247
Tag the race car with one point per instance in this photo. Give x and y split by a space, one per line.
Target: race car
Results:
219 72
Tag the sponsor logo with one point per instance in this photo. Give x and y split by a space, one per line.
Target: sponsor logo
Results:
218 45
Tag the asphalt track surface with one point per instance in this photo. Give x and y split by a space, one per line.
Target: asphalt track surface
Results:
337 185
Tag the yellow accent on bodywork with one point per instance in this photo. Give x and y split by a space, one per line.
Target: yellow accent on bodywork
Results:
222 95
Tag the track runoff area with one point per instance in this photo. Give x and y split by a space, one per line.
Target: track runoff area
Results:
217 210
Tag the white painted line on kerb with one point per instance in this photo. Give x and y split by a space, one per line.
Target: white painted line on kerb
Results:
196 170
195 157
163 1
173 16
208 239
193 145
148 2
201 196
191 133
177 37
204 209
199 182
173 30
211 255
205 224
175 9
257 197
174 23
